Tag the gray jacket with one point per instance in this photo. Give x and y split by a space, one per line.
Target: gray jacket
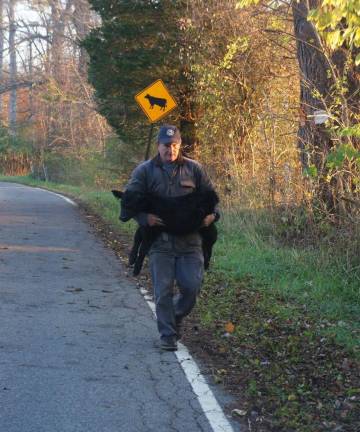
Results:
151 177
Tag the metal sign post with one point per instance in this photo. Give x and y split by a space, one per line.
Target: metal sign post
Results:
147 153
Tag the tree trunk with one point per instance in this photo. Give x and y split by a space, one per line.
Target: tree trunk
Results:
1 52
187 108
314 86
12 67
81 20
313 140
31 96
318 76
57 29
187 124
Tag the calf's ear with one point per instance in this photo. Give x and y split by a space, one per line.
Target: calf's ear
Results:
117 194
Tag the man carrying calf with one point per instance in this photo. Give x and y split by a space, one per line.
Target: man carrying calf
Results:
172 257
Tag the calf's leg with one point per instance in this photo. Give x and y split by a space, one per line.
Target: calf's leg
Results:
209 237
135 248
148 236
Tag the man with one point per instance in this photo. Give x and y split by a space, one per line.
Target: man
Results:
172 258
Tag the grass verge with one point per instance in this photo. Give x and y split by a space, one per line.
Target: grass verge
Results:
314 279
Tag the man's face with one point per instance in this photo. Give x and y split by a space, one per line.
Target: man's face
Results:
169 152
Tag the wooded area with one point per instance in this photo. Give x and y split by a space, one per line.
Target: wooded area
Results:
268 94
50 126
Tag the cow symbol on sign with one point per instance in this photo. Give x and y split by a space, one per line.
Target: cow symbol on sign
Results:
156 101
162 103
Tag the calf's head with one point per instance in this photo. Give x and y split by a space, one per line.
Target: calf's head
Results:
132 203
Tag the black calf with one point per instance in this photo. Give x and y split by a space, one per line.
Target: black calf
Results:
181 215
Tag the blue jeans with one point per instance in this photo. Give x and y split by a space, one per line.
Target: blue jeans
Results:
177 259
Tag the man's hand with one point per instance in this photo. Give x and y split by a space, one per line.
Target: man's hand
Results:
154 220
208 220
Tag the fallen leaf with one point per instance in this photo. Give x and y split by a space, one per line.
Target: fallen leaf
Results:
229 327
239 412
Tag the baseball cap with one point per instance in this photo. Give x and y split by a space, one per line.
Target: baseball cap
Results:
169 134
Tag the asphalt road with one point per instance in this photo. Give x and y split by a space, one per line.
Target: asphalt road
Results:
77 341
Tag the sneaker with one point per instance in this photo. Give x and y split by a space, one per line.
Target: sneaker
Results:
168 344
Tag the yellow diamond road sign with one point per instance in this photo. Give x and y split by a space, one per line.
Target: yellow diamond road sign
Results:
156 101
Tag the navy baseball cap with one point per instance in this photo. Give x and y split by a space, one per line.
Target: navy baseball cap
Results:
169 134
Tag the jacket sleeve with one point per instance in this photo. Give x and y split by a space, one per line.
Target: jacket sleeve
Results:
204 183
138 183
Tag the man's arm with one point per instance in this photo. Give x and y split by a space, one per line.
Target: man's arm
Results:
205 184
138 183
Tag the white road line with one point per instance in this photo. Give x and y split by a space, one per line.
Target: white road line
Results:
17 185
61 196
208 403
